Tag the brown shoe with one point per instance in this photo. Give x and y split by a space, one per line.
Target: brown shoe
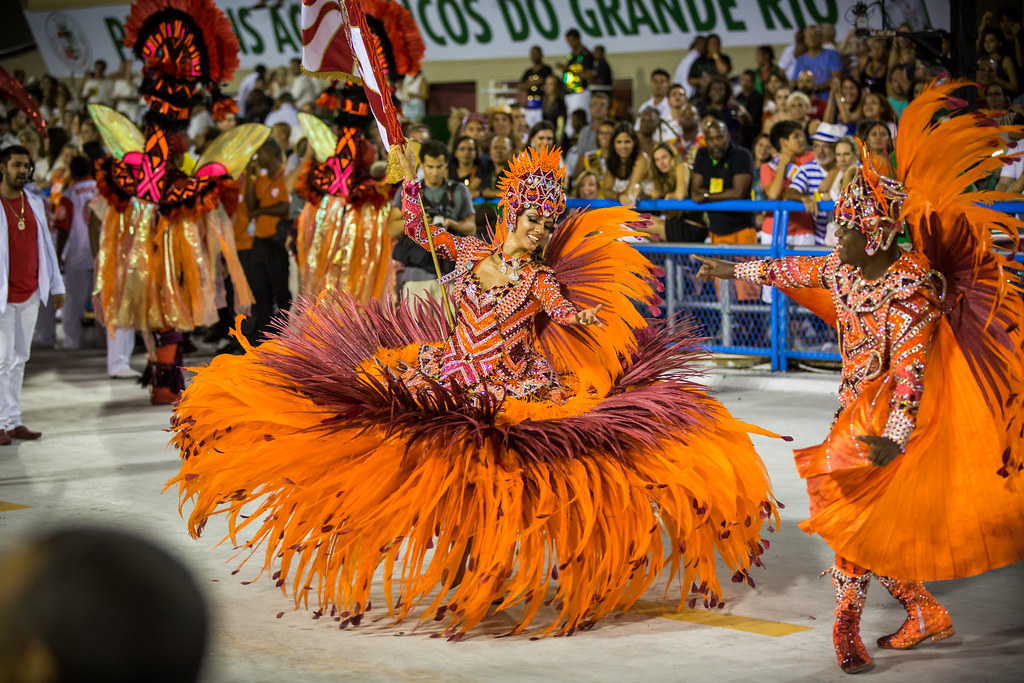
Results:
5 440
23 432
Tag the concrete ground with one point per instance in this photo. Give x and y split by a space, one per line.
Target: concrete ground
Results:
105 459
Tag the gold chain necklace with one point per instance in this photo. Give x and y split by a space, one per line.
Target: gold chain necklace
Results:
21 219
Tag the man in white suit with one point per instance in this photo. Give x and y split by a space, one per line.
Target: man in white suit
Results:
29 274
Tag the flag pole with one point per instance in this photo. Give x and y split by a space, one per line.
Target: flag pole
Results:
437 267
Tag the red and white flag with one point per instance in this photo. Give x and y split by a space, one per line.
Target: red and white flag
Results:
336 43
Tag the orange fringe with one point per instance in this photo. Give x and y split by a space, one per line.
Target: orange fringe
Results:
589 535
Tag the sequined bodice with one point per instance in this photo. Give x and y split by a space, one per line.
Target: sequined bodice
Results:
491 346
884 325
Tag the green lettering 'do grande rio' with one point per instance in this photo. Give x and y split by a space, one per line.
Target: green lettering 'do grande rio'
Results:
234 27
281 34
425 22
547 27
518 27
115 27
484 35
258 47
702 23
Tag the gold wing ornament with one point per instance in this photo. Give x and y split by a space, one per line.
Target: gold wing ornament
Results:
320 136
119 134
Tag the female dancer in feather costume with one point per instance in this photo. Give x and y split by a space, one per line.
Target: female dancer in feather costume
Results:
918 479
548 440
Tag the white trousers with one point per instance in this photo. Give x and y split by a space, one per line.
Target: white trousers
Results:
574 101
17 323
78 282
46 325
119 350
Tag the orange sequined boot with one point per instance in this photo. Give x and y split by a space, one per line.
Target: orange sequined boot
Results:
926 618
851 591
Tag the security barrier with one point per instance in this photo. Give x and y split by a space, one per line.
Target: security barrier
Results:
735 317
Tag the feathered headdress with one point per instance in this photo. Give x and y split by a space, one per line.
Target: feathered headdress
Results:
183 44
535 178
871 204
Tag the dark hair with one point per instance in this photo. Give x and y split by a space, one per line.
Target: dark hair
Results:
538 127
768 51
94 150
462 138
717 79
749 72
888 113
109 606
285 97
80 167
866 126
602 95
660 72
673 87
57 137
782 130
618 168
664 183
753 145
572 33
435 149
1010 12
10 150
860 95
696 39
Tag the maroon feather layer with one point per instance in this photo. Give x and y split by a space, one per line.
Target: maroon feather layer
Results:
326 343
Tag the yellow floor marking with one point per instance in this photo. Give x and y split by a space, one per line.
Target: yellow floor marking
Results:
4 507
762 627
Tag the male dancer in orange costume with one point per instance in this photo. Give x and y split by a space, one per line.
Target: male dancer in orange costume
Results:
903 488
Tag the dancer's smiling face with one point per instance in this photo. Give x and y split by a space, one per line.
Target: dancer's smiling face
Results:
532 231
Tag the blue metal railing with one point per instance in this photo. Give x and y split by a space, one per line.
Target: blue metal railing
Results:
731 324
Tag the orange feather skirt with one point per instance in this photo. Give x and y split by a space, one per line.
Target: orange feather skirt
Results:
327 467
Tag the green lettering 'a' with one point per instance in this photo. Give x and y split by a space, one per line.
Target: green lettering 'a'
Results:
281 34
638 16
674 10
234 27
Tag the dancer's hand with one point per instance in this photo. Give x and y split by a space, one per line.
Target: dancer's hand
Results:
408 161
714 268
883 450
589 316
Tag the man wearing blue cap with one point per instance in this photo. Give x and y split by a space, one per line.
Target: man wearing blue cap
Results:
811 176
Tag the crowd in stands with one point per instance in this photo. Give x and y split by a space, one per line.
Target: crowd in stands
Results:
783 127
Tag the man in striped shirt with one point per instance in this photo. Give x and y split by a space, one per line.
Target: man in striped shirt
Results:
809 178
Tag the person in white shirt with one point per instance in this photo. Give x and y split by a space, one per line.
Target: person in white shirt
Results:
97 88
125 93
698 48
76 254
246 87
788 58
283 112
304 89
659 96
200 121
29 274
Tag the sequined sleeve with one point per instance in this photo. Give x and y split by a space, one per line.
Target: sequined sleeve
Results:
791 272
448 245
911 323
549 293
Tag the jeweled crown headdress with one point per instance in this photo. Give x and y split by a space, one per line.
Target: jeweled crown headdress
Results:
535 178
871 204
